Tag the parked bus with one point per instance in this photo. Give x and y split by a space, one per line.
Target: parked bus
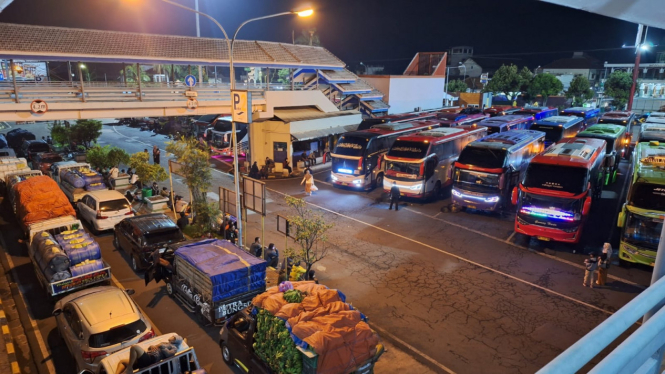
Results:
641 218
618 118
488 169
589 115
554 199
651 132
538 112
220 137
500 110
455 119
617 139
558 127
506 123
357 157
421 164
367 123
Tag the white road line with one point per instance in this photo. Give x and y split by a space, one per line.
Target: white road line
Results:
564 261
510 238
412 348
120 286
459 257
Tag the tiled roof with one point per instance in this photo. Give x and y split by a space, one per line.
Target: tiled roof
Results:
339 75
358 86
59 43
305 113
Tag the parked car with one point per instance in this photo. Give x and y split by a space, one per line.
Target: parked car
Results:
30 148
104 209
43 161
99 321
141 235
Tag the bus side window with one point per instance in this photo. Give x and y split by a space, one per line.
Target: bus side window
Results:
430 166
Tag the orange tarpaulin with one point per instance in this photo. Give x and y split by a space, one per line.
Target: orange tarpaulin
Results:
327 324
39 199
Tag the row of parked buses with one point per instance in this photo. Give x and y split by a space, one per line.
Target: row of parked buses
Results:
549 170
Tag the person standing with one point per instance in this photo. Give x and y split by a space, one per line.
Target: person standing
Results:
254 171
308 180
604 262
256 249
155 154
394 197
590 265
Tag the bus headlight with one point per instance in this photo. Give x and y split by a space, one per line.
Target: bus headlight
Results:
416 187
358 181
333 177
456 193
492 199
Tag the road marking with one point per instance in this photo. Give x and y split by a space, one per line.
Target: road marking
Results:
564 261
457 256
120 286
412 348
510 238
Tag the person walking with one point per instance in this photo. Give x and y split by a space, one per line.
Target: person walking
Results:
155 154
394 197
256 249
308 180
591 265
604 262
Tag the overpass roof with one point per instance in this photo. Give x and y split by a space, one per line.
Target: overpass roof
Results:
69 44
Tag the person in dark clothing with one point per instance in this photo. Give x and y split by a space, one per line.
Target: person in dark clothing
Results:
394 197
304 159
286 166
254 171
183 221
256 249
311 276
272 255
130 196
155 154
155 189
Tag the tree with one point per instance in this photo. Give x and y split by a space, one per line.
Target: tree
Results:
131 76
308 37
457 85
526 77
506 80
147 172
579 90
544 85
618 86
309 230
60 133
106 157
284 76
86 131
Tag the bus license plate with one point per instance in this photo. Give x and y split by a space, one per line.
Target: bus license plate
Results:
544 238
471 207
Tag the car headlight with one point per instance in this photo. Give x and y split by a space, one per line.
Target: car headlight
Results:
416 187
456 193
492 199
333 177
357 181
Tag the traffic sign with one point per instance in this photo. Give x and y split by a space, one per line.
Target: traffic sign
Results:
241 101
192 104
38 106
190 80
484 78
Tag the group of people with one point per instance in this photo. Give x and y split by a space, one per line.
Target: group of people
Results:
597 263
156 153
272 254
47 140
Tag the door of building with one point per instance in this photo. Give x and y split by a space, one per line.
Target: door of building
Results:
279 151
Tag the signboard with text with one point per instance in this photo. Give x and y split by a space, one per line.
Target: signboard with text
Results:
241 102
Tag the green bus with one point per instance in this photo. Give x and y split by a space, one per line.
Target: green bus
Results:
641 218
618 143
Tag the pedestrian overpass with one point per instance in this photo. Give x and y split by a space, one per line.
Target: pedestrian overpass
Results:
82 99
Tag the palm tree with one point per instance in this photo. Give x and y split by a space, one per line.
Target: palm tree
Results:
308 37
131 76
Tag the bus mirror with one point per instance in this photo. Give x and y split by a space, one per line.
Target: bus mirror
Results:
587 206
513 198
609 161
622 219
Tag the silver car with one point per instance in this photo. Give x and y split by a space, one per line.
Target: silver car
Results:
99 321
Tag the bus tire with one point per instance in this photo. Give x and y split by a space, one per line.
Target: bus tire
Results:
379 181
437 191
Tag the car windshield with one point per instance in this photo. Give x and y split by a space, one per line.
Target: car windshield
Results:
476 178
556 177
117 334
643 231
403 169
552 134
483 157
114 205
648 196
408 149
163 236
351 146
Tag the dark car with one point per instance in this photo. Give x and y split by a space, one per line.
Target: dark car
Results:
43 161
141 235
30 148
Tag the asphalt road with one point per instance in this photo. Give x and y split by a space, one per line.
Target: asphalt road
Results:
459 288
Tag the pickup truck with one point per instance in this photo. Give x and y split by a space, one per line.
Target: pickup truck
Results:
184 361
11 179
56 226
73 193
10 165
212 278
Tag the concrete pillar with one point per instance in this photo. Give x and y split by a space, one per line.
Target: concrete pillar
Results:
13 69
78 66
138 78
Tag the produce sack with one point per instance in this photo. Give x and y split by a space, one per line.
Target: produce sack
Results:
95 187
85 251
73 178
90 177
48 254
40 198
86 267
68 235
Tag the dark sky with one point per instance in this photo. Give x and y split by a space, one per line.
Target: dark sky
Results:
378 32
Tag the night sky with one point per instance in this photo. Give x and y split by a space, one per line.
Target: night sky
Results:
377 32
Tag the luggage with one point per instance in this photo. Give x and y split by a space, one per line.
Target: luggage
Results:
86 267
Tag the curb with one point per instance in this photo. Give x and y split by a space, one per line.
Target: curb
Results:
9 342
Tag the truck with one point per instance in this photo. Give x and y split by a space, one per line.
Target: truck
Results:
10 165
65 258
331 336
75 187
183 362
11 179
212 278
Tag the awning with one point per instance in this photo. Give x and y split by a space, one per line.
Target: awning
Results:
646 12
308 113
320 133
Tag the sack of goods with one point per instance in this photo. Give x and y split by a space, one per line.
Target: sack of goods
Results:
50 258
86 267
95 187
88 250
73 178
40 198
90 176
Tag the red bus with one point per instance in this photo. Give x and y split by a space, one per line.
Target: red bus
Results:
506 123
554 199
357 157
421 164
456 119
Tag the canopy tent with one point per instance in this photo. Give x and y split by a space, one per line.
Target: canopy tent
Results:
647 12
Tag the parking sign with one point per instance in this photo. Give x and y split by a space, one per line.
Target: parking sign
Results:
241 102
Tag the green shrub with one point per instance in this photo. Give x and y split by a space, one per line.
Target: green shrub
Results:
273 344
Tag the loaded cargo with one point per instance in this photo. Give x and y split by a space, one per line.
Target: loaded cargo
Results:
77 179
10 165
213 278
300 327
12 179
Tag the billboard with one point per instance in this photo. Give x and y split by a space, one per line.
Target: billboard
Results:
26 70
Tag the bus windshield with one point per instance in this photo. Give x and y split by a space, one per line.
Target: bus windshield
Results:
642 231
552 134
476 178
409 149
648 196
351 146
556 177
403 169
493 129
483 157
616 121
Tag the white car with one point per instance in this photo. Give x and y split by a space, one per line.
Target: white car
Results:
104 209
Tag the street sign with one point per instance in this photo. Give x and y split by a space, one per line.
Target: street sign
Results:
227 201
174 168
241 101
484 78
190 80
284 226
192 104
254 195
38 106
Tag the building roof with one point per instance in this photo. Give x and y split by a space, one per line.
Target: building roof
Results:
579 60
308 113
61 43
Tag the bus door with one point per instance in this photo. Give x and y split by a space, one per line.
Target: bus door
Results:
432 173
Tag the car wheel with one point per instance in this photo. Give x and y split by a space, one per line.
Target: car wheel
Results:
226 354
169 289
